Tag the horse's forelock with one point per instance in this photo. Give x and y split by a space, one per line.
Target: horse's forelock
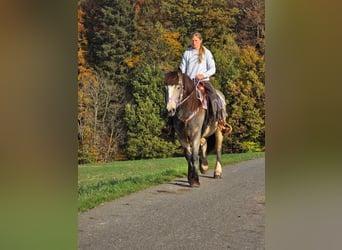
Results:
171 78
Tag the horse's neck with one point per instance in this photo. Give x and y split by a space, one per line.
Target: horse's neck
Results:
190 105
184 112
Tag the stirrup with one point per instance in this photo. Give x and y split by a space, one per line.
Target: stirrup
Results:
225 127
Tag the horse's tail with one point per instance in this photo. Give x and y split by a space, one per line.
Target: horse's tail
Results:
211 141
206 121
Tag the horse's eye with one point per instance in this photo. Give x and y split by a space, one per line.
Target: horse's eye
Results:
178 87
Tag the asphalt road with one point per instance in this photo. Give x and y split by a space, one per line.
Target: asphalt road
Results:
228 213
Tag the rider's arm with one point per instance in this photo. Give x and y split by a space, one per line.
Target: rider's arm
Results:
211 68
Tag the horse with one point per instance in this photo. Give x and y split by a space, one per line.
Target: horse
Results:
192 123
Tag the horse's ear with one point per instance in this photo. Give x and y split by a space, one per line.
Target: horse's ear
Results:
179 73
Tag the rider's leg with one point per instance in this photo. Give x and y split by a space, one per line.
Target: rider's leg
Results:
218 109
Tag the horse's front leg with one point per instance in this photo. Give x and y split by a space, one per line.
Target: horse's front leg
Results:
188 157
193 167
184 141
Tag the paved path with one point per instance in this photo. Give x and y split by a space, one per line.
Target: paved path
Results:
222 214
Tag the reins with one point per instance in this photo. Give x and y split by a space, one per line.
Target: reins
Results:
180 81
186 98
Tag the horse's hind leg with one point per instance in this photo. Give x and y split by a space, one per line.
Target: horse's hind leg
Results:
203 161
218 147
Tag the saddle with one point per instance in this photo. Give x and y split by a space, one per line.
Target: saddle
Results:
216 100
217 104
201 94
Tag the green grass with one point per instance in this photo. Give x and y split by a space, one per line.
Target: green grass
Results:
98 183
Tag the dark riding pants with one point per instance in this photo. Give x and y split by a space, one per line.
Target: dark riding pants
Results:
215 101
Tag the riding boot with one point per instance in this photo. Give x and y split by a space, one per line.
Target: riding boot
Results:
212 95
217 108
220 116
223 125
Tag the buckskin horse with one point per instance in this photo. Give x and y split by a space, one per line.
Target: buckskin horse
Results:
192 123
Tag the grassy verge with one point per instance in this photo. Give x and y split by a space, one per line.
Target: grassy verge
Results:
99 183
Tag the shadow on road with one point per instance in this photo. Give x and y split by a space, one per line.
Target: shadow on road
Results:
206 176
181 183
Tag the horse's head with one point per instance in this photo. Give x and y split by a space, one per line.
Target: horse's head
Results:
174 91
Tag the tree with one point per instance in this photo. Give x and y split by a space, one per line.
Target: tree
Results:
250 28
85 78
125 45
100 124
110 31
245 119
227 62
246 102
212 18
144 117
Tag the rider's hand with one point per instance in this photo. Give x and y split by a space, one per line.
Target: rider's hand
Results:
199 76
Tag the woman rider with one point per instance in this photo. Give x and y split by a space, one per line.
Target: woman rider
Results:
198 63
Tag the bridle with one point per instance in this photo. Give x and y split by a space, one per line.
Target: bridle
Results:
179 101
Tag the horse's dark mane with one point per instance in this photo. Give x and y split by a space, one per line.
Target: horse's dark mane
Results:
189 85
171 78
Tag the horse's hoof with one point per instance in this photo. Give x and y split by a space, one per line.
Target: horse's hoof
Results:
194 184
203 171
217 176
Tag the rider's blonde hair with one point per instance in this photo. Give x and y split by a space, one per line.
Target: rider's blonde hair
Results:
201 49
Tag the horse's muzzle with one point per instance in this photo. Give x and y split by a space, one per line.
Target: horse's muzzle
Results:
171 108
171 112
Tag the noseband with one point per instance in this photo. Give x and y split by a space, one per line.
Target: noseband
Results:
179 101
180 83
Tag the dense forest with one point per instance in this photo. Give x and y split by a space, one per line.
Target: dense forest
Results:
124 47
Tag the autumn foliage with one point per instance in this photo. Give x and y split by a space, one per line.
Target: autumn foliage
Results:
125 46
